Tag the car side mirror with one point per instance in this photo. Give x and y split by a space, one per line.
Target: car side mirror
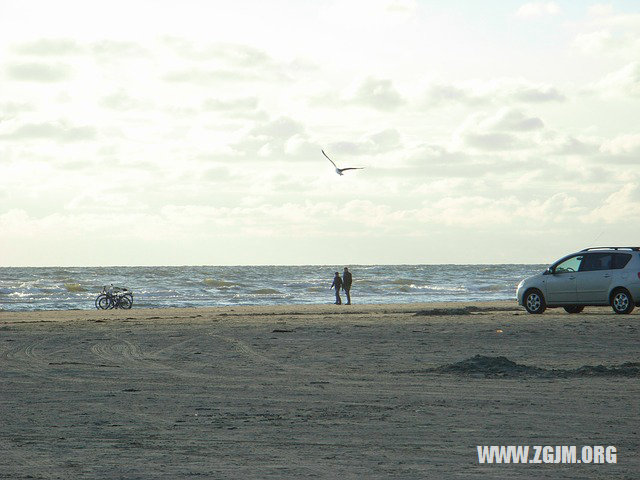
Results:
549 271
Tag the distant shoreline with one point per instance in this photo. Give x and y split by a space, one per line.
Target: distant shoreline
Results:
256 310
426 309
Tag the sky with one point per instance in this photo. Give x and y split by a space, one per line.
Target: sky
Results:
190 132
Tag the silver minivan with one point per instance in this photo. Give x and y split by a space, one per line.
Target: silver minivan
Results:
593 276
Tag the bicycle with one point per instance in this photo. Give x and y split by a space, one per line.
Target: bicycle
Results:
114 297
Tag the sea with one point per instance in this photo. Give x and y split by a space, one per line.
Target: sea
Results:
67 288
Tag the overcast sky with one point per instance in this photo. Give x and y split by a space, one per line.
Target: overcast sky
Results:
189 132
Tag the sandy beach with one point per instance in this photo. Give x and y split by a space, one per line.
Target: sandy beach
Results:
361 391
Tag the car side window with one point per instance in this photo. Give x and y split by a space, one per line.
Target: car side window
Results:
597 261
569 265
620 260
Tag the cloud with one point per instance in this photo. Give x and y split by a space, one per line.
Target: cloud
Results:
570 145
209 63
539 94
38 72
280 128
538 9
507 119
61 47
280 137
235 108
371 144
623 82
622 145
233 104
117 49
379 94
507 129
231 53
493 141
13 108
475 92
122 101
50 47
619 206
207 77
58 131
605 31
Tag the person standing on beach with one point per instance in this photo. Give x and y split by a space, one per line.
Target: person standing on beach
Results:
337 284
347 280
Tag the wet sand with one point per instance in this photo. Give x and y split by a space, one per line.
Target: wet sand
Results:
361 391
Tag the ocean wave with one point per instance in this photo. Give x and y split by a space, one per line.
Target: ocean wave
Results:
403 281
406 288
211 282
265 291
432 288
74 287
491 288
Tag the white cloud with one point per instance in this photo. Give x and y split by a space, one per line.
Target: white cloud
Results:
511 120
499 91
623 82
379 94
38 72
538 9
507 129
605 31
56 131
620 206
628 144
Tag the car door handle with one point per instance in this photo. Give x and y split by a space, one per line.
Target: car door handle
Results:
572 278
607 276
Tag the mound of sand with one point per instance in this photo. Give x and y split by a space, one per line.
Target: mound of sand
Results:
503 367
468 310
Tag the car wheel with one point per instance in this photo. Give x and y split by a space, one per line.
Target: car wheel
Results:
621 301
574 308
534 301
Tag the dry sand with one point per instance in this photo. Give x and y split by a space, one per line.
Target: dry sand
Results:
312 391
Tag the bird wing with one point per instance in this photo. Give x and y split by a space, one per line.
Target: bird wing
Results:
329 158
352 168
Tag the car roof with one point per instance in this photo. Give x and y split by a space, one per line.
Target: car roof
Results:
634 249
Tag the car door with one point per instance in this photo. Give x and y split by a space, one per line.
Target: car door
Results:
594 278
561 282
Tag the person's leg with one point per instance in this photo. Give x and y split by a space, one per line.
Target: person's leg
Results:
338 299
347 291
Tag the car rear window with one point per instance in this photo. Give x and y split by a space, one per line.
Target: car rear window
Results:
620 260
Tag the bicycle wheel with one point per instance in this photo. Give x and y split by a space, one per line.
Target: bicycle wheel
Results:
125 302
104 302
98 300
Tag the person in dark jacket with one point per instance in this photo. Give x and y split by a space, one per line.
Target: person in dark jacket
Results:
347 280
337 284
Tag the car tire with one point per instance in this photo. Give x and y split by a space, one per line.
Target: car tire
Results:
534 301
621 301
574 308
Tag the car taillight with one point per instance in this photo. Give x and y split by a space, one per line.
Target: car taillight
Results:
638 274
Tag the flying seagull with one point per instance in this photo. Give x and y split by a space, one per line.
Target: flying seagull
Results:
340 170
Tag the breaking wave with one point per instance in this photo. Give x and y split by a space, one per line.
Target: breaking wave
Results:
74 287
211 282
265 291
